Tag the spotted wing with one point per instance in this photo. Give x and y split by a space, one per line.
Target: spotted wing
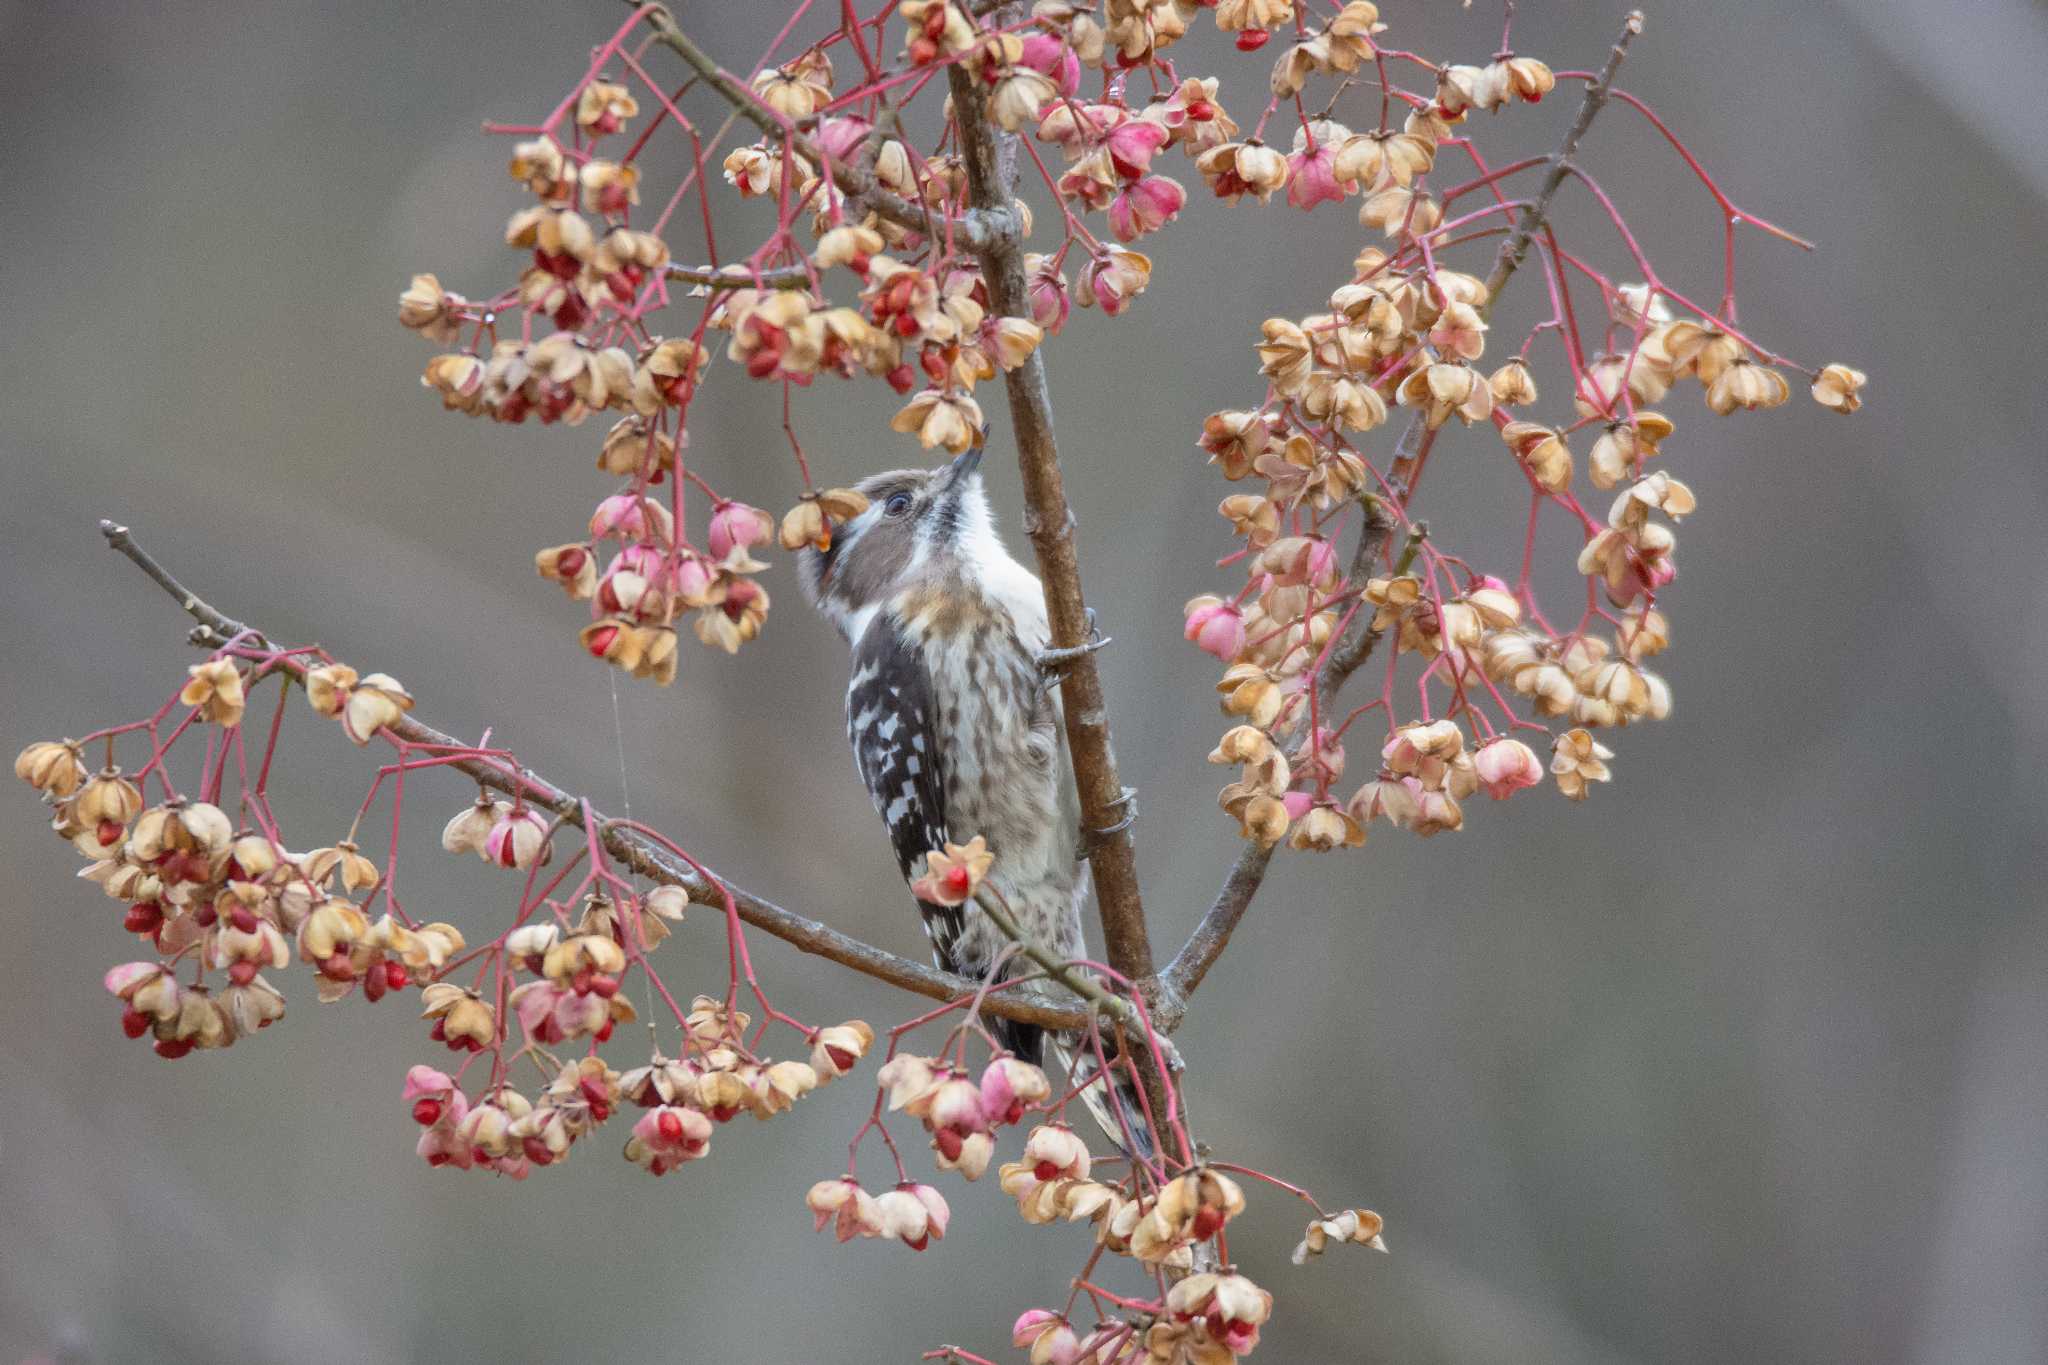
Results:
891 721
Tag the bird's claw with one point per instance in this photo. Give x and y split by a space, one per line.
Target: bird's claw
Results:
1128 803
1051 661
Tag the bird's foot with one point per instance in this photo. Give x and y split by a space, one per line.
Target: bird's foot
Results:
1128 804
1051 661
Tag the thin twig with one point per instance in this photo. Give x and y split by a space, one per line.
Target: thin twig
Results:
1056 967
1516 247
739 277
970 230
1049 1010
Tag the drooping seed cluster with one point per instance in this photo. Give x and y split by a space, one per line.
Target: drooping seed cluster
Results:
1165 1216
218 906
1406 335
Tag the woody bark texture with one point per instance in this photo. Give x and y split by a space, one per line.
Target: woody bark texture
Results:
1049 522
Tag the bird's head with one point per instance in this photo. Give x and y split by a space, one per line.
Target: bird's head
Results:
920 524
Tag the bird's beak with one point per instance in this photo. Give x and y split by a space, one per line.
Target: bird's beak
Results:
963 468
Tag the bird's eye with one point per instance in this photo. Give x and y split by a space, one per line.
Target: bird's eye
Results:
897 505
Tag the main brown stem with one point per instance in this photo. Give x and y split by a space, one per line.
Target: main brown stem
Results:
1050 525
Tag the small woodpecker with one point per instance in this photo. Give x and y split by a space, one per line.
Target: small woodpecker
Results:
954 719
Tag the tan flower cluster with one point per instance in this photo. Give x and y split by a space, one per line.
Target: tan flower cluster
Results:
1338 48
564 378
913 1213
1207 1318
681 1100
234 902
789 334
938 28
1359 1226
914 324
1461 89
721 1077
584 264
797 89
1212 1319
363 705
651 579
962 1114
503 1131
1583 678
1731 375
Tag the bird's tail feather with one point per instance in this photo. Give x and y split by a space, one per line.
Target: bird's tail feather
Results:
1114 1101
1026 1041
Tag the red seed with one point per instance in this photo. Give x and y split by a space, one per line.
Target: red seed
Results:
170 1049
537 1151
395 975
1207 1223
242 973
1251 39
670 1125
842 1060
604 1035
110 831
243 918
605 986
601 640
949 1143
146 917
427 1112
134 1022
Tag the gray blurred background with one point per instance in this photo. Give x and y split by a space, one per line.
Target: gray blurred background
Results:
1742 1060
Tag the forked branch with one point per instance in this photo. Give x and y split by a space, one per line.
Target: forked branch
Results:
1213 933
